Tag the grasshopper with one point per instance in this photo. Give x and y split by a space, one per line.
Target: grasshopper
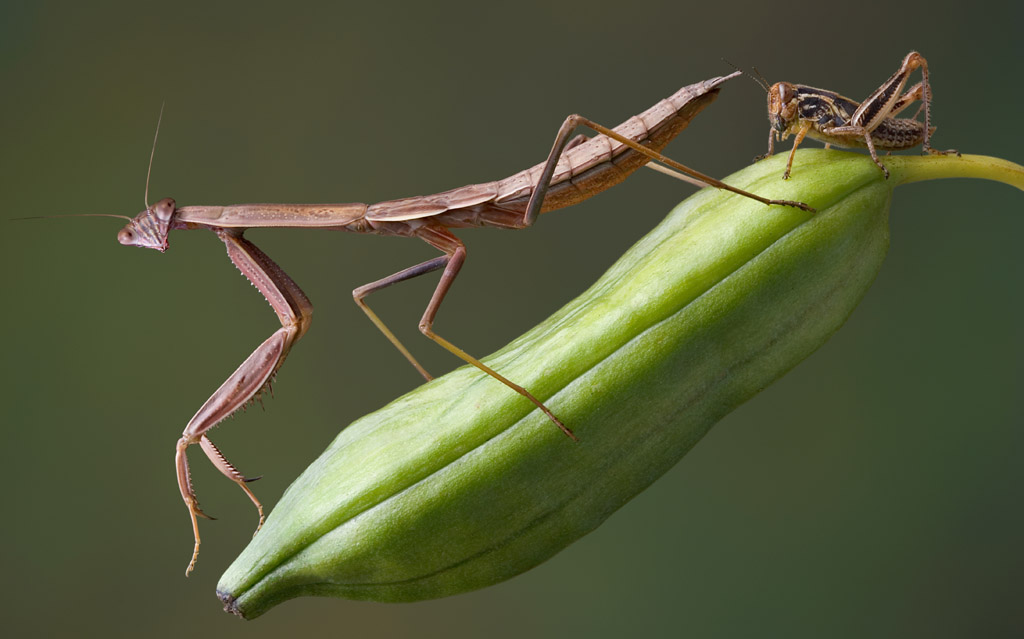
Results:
800 110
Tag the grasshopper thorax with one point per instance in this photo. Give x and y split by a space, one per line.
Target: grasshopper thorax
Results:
149 228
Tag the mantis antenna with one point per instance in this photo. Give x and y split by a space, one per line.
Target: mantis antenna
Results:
46 217
152 152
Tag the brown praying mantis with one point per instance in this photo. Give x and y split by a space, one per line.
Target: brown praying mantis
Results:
833 119
575 169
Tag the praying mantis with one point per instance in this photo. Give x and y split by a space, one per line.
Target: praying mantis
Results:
574 170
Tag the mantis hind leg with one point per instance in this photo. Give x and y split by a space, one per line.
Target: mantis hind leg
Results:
680 171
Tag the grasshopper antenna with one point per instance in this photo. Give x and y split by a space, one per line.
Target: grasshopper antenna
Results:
759 79
763 81
152 152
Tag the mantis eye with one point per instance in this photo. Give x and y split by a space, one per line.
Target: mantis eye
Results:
126 237
164 209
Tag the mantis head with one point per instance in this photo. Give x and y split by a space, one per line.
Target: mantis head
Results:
149 228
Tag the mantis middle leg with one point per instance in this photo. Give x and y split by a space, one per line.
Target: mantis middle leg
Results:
452 260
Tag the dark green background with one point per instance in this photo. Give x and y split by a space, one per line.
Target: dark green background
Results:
874 491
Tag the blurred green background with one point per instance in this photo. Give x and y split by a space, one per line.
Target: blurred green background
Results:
875 490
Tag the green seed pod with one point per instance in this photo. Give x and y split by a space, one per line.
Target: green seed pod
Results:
461 483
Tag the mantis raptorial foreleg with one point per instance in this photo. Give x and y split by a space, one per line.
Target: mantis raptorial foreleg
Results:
255 374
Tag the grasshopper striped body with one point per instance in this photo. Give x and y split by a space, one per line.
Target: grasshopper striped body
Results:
803 111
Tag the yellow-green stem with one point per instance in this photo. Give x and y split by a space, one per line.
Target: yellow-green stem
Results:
905 169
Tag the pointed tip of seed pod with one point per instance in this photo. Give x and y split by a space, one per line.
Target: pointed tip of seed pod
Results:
229 602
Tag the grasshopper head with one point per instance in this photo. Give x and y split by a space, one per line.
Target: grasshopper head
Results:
782 106
149 228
